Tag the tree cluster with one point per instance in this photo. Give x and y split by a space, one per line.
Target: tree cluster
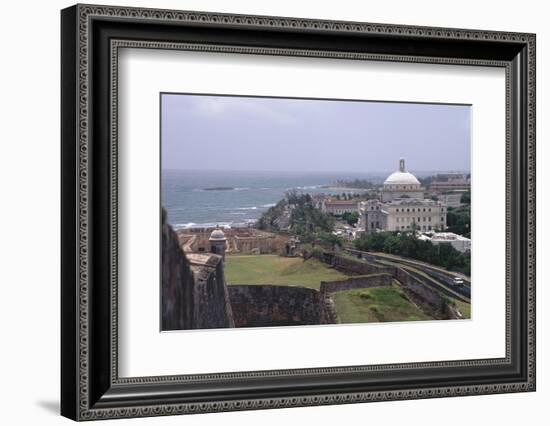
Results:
307 221
466 198
348 196
272 218
351 218
304 219
458 220
407 245
355 183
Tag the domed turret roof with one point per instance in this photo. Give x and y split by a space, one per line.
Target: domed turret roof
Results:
217 234
401 177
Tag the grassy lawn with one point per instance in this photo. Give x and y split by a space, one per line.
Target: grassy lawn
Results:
377 304
464 308
273 269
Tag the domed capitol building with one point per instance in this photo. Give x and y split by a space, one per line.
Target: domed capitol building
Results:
401 205
401 184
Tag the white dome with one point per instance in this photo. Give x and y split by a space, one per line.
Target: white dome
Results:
217 234
401 178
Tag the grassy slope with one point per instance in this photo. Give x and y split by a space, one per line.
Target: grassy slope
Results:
464 308
378 304
273 269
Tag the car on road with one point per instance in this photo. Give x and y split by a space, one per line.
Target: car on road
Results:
458 282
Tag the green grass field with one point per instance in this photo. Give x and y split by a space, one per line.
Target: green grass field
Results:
273 269
464 308
377 304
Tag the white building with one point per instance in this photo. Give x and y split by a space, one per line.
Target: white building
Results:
459 242
422 214
450 182
372 216
451 199
403 207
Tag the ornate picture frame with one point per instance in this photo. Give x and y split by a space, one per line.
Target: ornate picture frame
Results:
91 37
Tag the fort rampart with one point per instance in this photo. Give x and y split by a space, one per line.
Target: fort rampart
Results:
193 293
417 289
376 280
347 263
275 305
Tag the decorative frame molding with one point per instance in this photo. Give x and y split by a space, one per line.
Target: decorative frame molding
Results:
91 37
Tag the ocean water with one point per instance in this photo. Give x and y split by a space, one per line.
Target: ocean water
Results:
188 203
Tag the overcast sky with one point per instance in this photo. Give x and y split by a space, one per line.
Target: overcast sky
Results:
244 133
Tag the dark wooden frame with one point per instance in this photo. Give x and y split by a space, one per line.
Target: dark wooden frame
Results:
90 386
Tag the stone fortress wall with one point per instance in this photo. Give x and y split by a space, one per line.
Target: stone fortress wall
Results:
368 281
348 264
210 295
177 282
193 293
274 305
428 299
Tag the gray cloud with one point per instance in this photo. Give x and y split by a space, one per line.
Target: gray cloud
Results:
277 134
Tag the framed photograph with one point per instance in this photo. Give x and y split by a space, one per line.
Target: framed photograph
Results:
263 212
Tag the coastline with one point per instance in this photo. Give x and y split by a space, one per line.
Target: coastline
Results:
249 223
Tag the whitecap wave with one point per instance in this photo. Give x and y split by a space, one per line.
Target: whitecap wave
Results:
242 223
184 225
304 188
